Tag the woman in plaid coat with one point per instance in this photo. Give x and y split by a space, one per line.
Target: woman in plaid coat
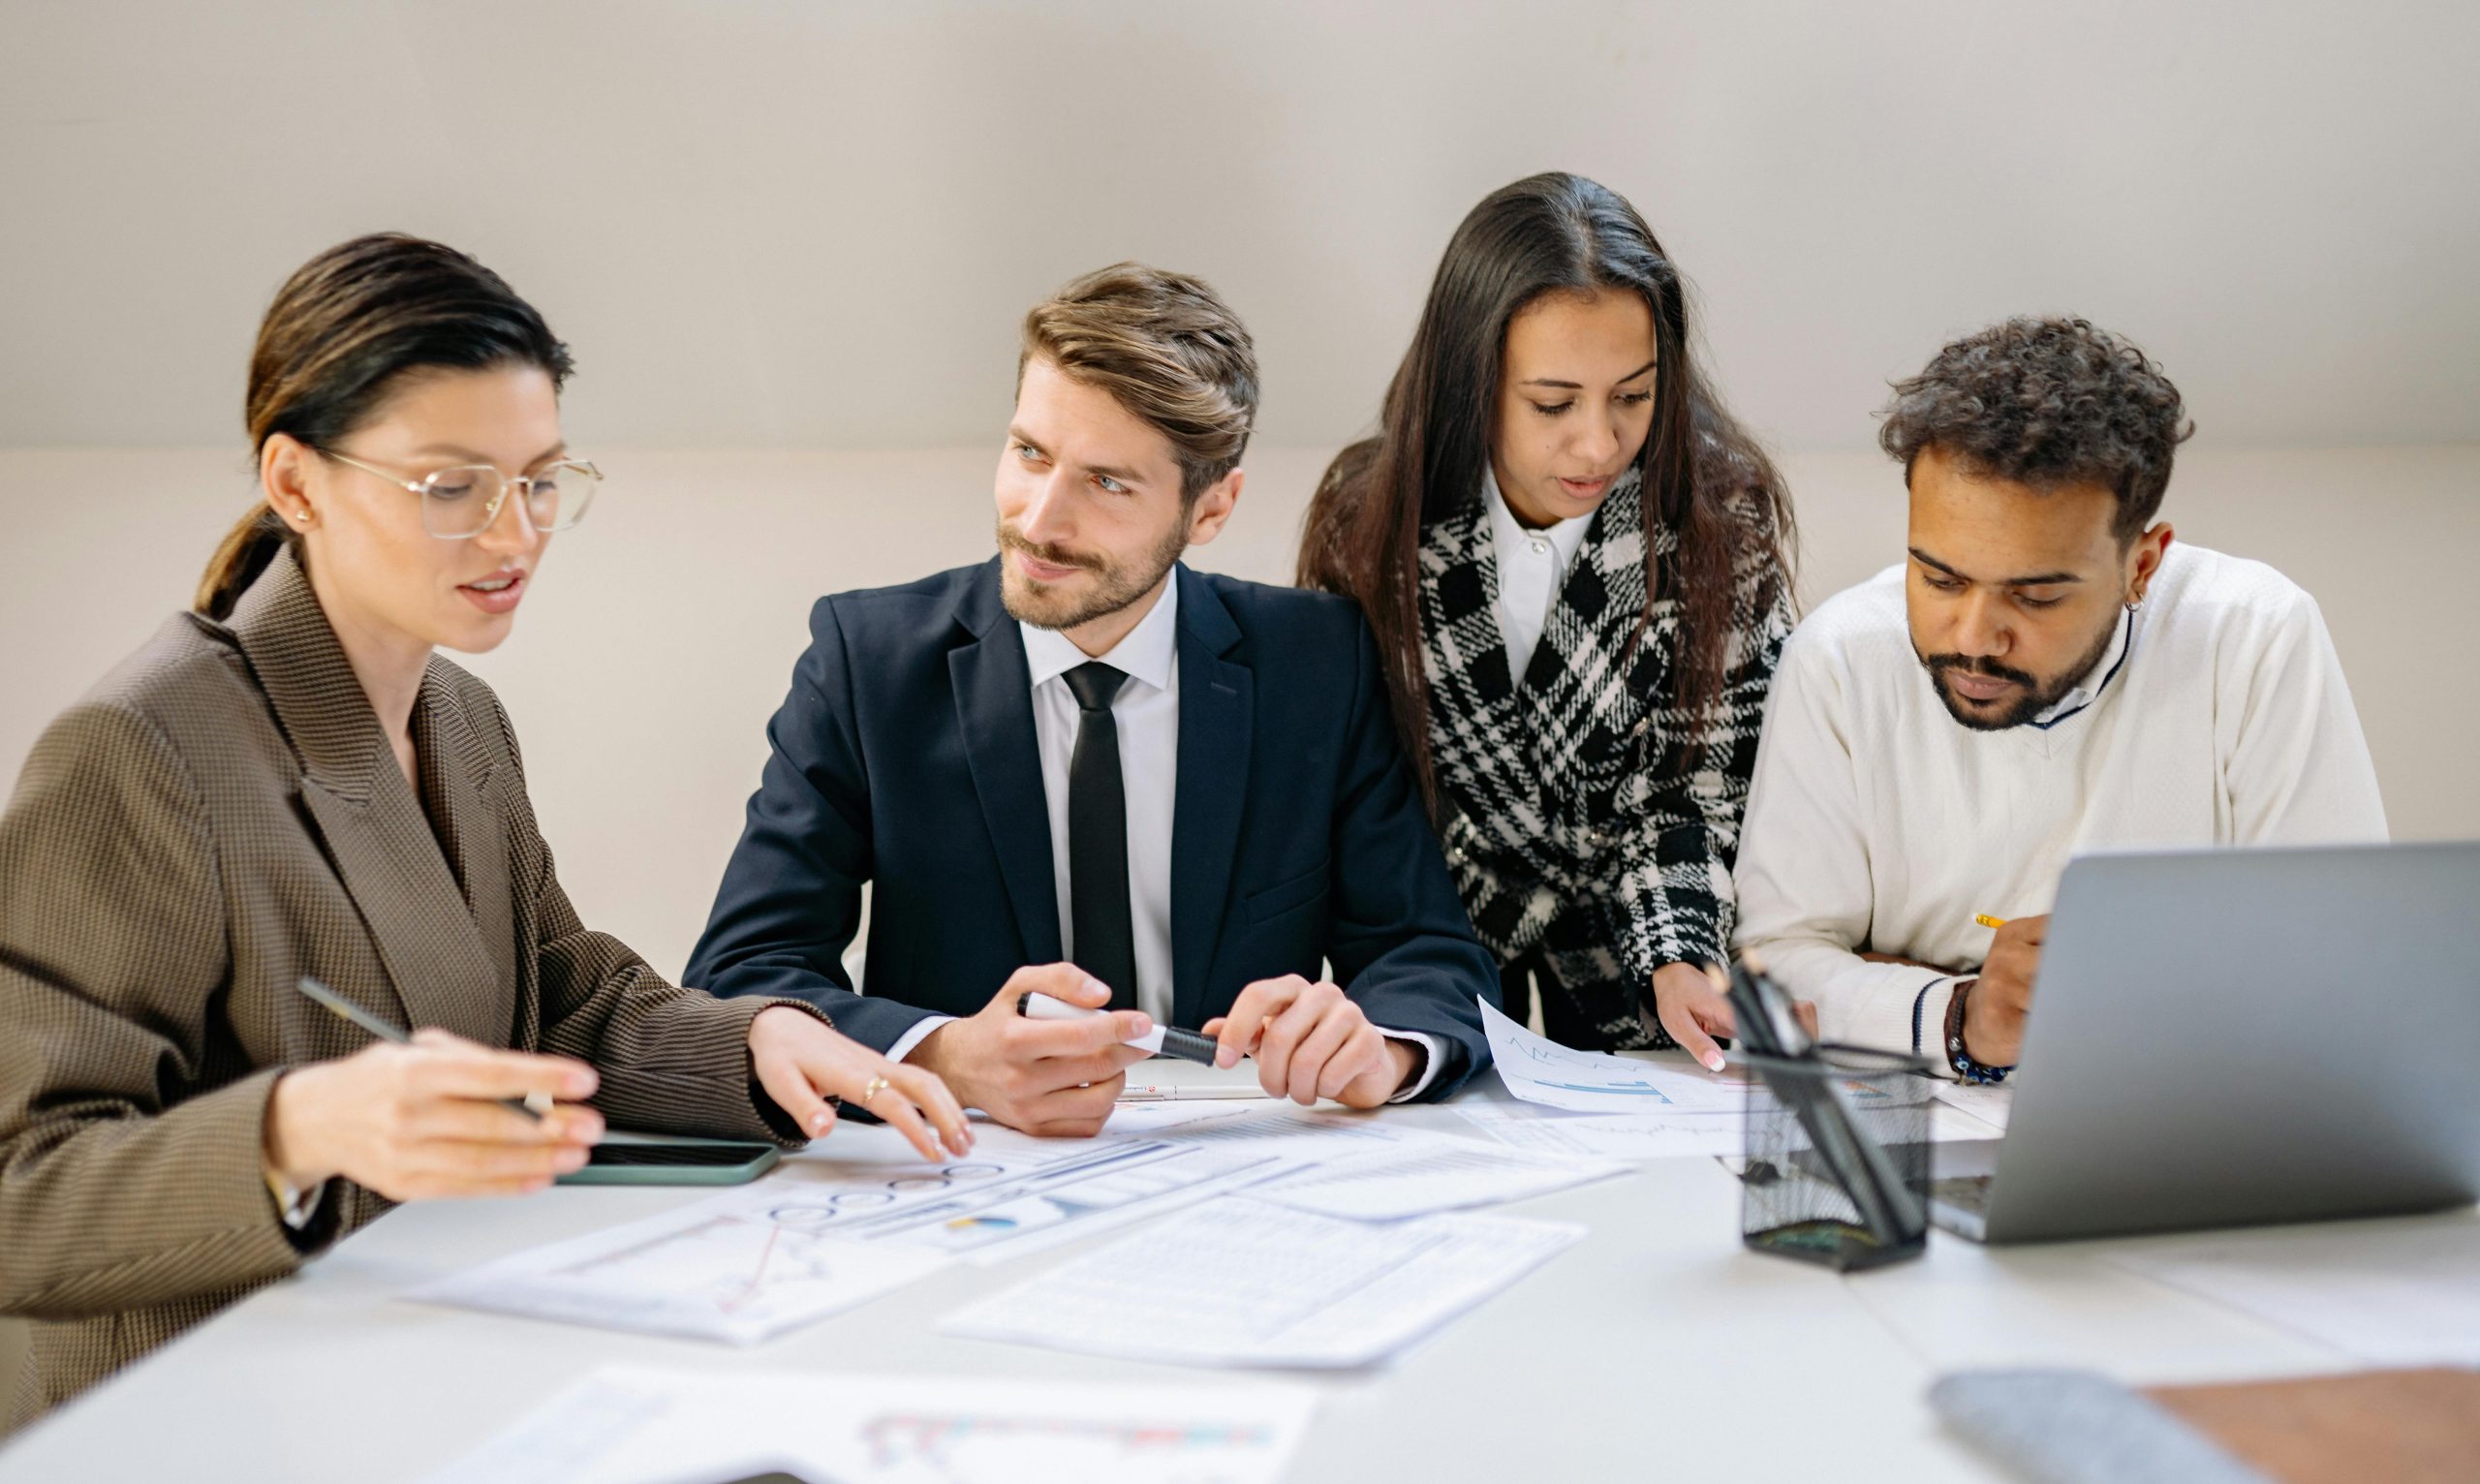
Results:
1577 568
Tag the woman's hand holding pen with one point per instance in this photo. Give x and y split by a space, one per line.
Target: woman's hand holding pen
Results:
801 1063
431 1118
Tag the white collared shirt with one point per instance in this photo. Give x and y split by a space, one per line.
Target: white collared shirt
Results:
1146 714
1532 564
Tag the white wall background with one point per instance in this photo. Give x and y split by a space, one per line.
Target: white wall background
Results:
785 233
814 222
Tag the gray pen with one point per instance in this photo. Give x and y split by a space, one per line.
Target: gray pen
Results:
533 1105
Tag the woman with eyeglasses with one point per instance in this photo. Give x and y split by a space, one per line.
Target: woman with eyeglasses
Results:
289 782
1576 564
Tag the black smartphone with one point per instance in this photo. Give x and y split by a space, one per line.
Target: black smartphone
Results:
649 1158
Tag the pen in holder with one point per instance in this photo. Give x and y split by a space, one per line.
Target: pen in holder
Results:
1837 1140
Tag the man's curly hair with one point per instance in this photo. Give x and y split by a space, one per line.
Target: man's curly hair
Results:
2048 403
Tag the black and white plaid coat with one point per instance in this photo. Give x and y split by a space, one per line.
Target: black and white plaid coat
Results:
1573 825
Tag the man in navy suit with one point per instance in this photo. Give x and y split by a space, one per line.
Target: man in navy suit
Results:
1173 794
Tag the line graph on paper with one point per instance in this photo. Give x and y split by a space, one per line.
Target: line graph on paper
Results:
737 1266
931 1447
1538 1069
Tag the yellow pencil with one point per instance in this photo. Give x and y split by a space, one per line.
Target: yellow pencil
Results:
1988 921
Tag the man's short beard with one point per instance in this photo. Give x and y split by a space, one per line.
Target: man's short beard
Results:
2037 697
1115 587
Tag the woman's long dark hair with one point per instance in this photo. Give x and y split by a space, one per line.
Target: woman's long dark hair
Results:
1704 476
343 331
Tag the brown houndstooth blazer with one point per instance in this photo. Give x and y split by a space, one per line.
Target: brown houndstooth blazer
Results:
220 817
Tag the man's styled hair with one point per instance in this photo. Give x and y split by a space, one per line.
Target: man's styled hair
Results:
2048 403
1166 348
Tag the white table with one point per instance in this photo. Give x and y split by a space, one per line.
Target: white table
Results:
1657 1346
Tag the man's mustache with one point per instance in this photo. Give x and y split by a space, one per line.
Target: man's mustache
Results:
1970 667
1056 556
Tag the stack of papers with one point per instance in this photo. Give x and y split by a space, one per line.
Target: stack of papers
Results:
635 1425
1242 1282
821 1236
1367 1168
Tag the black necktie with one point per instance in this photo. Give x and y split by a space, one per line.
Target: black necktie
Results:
1097 838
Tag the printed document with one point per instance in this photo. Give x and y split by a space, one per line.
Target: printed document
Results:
704 1273
1607 1135
640 1425
993 1205
1368 1167
1242 1282
1432 1173
1538 1070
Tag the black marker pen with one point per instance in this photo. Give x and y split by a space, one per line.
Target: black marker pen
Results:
1161 1040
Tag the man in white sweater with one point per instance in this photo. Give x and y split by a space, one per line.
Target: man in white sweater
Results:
2045 674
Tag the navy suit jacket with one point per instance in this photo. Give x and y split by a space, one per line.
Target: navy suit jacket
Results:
905 757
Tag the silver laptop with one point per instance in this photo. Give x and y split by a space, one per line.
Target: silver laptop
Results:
2229 1037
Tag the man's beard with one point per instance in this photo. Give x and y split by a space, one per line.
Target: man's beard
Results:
1115 587
2036 697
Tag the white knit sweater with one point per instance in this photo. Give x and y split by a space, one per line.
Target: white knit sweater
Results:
1876 821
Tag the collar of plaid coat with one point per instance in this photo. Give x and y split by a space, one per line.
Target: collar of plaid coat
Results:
1532 769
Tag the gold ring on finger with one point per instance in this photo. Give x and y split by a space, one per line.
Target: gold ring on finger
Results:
876 1085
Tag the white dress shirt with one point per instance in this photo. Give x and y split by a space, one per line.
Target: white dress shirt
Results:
1531 567
1146 714
2217 717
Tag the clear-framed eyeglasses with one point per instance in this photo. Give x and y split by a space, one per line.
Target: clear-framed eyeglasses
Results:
461 503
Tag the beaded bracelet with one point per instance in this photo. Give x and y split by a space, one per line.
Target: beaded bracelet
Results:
1956 1056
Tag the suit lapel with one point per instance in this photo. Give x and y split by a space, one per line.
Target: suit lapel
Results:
995 717
358 806
463 789
1216 710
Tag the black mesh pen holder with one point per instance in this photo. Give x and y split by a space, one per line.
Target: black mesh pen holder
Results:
1796 1195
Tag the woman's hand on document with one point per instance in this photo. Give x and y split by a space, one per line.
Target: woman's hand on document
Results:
1692 1006
801 1062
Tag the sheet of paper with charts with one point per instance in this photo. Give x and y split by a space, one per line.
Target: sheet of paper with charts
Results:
821 1236
640 1425
1367 1168
1666 1136
707 1274
988 1207
1660 1135
1538 1070
1239 1282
